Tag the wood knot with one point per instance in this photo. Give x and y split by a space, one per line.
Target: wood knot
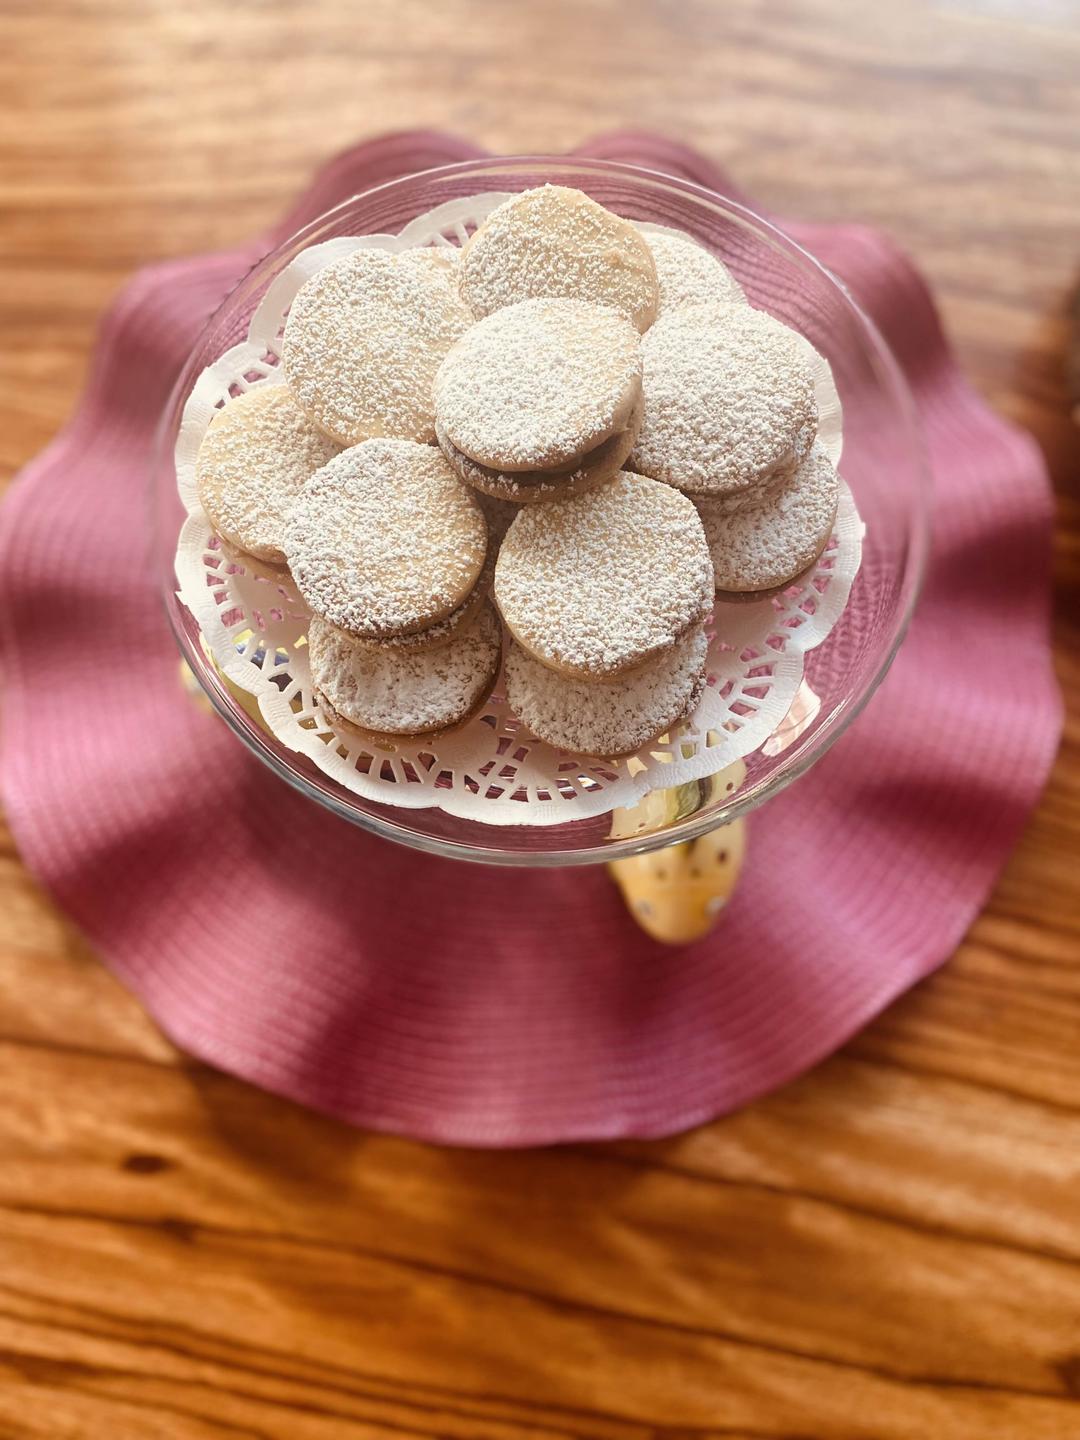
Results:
144 1164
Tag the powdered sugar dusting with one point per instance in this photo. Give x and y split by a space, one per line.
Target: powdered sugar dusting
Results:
687 274
554 241
385 539
729 398
766 545
613 719
364 338
257 454
417 692
597 584
538 384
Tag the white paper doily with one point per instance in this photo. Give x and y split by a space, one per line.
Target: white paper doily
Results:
254 626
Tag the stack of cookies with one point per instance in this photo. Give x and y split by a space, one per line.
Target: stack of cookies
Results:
570 430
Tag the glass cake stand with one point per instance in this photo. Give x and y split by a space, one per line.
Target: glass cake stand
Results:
883 464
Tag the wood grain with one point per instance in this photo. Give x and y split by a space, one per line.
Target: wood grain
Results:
887 1248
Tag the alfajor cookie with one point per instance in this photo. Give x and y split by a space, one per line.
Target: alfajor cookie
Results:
760 550
385 539
557 242
599 584
729 399
608 720
387 696
532 487
536 386
688 274
364 338
256 456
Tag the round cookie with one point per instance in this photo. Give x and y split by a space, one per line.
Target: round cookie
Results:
555 241
729 399
535 486
538 385
599 584
256 456
385 539
364 338
391 695
762 549
688 274
608 720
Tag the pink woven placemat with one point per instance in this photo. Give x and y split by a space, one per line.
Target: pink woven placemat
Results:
474 1005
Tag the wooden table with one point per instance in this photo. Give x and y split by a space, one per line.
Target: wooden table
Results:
887 1248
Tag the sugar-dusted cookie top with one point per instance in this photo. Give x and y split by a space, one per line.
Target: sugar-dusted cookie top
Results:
364 338
555 241
598 584
729 399
257 454
385 539
539 384
688 274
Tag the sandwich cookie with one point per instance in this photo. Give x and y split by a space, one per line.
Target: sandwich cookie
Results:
729 399
364 338
688 274
608 720
555 241
594 586
761 550
538 385
532 487
385 540
256 456
390 696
